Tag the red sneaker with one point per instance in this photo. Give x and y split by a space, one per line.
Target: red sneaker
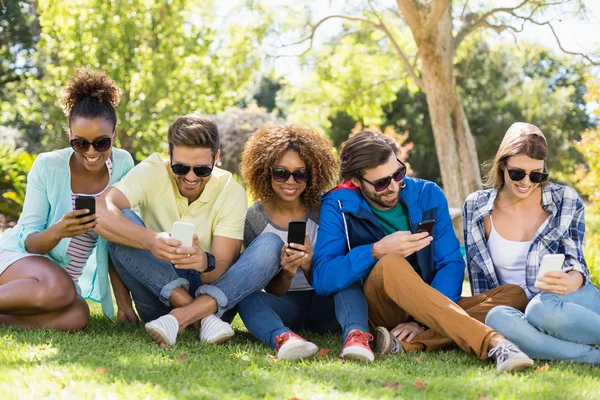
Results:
356 346
289 346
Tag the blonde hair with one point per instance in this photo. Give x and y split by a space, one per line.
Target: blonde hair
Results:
520 138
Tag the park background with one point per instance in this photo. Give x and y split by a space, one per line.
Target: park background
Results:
443 78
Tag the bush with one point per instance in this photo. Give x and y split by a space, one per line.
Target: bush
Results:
15 164
588 183
235 127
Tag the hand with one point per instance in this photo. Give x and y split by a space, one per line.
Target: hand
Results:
559 282
70 226
191 257
291 262
401 242
307 249
164 247
127 315
407 331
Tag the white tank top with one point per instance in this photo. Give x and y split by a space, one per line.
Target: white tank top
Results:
509 258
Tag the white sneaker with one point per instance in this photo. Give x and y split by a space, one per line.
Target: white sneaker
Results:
213 330
289 346
163 329
509 358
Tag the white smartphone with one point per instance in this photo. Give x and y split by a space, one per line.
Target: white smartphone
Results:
184 232
551 263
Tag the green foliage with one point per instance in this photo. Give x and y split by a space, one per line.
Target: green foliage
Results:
235 127
14 167
167 57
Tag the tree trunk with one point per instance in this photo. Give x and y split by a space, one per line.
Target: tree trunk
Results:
454 143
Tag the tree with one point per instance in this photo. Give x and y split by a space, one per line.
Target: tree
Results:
168 58
423 39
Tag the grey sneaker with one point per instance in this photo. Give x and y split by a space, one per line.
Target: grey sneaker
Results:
509 358
385 342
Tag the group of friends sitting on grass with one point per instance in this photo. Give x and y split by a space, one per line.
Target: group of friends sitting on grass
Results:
380 261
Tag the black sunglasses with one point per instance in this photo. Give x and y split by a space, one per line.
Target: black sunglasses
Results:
101 144
381 184
535 177
281 174
201 171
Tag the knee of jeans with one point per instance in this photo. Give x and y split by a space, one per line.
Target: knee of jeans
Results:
501 318
132 216
544 312
268 245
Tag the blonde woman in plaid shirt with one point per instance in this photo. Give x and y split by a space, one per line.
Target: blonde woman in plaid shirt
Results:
509 228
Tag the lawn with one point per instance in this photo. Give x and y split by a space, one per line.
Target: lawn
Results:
115 361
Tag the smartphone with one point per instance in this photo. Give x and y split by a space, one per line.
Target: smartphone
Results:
551 263
425 226
296 232
184 232
83 202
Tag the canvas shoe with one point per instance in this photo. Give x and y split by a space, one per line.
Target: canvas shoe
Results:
163 329
356 346
385 342
509 358
289 346
213 330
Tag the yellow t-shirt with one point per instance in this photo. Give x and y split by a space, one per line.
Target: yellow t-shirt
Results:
219 211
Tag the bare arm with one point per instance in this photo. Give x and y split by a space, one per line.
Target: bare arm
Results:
226 251
68 226
115 227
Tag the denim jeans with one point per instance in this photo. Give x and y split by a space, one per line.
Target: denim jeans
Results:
267 316
151 281
554 327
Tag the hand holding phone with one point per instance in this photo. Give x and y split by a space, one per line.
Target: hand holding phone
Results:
550 263
85 202
296 232
184 232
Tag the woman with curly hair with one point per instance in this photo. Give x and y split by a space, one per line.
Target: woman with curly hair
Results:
52 258
287 169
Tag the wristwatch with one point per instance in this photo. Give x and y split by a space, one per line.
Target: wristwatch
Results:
210 262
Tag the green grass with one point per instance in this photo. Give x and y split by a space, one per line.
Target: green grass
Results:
116 361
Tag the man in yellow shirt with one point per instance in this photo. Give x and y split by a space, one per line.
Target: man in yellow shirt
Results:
174 286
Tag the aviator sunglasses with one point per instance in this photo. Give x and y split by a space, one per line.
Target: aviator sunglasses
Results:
81 145
201 171
518 175
281 174
381 184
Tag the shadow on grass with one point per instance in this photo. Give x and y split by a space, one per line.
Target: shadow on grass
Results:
122 361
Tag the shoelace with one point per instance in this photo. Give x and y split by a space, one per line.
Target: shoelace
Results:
280 340
502 351
363 337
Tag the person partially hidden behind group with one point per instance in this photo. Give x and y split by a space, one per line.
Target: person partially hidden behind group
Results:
53 258
287 168
412 281
174 286
509 229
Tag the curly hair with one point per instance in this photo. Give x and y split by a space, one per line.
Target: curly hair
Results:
90 94
268 144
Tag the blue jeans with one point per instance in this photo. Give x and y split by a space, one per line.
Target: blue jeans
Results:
267 316
554 327
151 281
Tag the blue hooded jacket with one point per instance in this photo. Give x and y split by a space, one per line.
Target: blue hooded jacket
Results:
348 229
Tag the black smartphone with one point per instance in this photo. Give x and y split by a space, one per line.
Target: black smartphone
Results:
296 232
425 226
83 202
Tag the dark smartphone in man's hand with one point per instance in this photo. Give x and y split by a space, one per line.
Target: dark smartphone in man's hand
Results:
83 202
426 226
296 232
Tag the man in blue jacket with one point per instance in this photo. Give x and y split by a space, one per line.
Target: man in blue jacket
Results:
412 281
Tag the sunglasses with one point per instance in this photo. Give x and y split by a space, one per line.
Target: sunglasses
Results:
201 171
381 184
101 144
535 177
281 175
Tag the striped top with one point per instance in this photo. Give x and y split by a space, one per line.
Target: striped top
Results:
82 246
